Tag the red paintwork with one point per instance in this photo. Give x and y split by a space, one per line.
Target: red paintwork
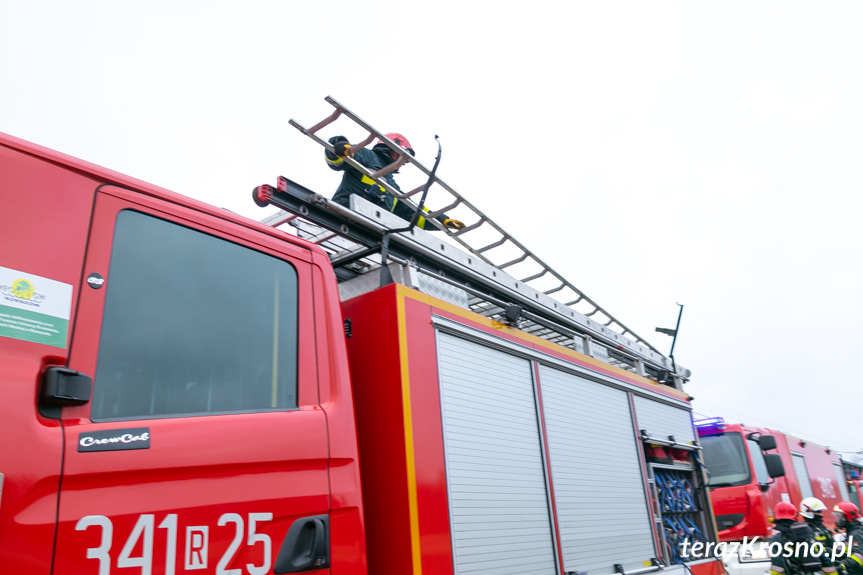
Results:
290 464
43 233
373 350
707 568
757 506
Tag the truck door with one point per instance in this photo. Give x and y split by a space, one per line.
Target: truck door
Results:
202 443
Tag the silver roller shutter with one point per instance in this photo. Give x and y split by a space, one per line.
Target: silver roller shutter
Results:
499 506
596 473
661 420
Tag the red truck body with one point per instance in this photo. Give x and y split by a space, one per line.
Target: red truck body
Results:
180 395
742 494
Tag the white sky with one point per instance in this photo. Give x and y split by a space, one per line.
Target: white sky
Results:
651 152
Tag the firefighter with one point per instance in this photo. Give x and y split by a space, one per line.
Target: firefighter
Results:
848 519
791 532
379 157
812 510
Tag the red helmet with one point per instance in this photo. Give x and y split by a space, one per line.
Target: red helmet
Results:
846 512
784 510
400 141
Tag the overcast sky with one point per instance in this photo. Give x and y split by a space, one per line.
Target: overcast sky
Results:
650 152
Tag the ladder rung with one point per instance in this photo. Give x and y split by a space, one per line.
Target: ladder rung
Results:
364 143
494 245
470 227
534 276
557 289
414 191
326 121
575 301
515 261
596 309
446 209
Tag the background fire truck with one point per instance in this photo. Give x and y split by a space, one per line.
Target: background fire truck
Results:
189 390
751 469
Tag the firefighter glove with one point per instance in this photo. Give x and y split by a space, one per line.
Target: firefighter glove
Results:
342 148
453 224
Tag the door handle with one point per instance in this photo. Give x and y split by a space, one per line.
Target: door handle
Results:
306 546
64 386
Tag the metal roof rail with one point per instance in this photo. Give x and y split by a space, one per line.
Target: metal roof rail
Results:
353 238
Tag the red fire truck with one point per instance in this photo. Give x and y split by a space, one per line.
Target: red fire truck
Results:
750 470
187 390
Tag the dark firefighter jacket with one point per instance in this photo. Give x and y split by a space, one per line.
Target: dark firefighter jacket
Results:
853 564
355 182
790 565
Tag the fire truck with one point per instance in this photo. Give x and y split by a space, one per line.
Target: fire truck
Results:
750 470
188 390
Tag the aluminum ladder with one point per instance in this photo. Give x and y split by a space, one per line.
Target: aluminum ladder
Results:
538 274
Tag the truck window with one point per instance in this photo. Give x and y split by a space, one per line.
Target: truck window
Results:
802 475
726 460
840 479
193 324
855 496
761 474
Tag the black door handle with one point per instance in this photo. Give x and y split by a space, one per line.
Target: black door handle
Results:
306 546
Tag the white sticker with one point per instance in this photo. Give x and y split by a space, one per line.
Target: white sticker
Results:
33 308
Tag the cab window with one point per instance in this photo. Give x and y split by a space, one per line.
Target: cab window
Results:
758 462
726 460
802 474
193 324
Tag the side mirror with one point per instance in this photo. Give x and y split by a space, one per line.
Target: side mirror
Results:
775 468
767 442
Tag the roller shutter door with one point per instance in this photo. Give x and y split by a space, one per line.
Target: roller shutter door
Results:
598 485
661 420
499 506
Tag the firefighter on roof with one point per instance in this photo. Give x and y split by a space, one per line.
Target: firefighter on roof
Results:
379 157
848 519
